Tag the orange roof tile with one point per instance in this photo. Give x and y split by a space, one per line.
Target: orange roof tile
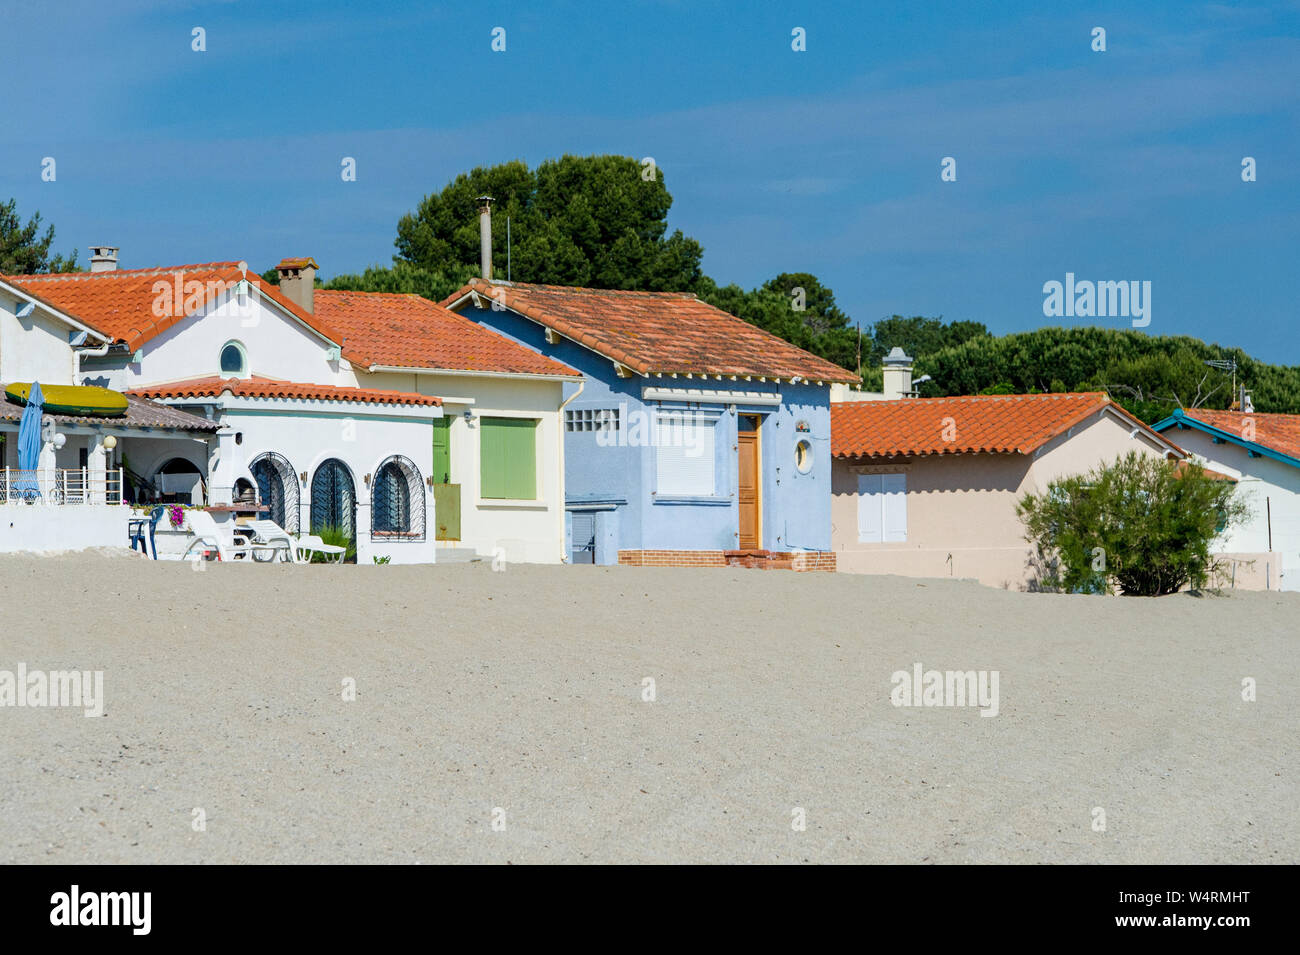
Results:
126 305
299 263
658 332
1280 432
385 328
998 424
256 387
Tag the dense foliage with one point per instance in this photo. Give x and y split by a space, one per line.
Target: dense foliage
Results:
1149 375
598 221
1142 525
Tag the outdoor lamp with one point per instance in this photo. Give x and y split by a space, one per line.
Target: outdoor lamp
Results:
110 443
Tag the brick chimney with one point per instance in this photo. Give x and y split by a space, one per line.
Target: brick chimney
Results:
103 258
298 281
898 374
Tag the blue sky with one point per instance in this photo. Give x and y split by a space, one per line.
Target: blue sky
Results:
1117 165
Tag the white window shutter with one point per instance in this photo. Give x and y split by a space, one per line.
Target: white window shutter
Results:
684 456
870 514
894 488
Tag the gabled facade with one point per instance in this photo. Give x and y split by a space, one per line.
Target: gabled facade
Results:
695 437
1262 453
329 409
927 487
78 482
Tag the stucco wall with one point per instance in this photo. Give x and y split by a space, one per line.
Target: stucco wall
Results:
361 440
34 348
33 527
961 508
276 346
795 507
531 532
1272 491
959 505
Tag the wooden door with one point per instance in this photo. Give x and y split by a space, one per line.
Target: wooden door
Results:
749 483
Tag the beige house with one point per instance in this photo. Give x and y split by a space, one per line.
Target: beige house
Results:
927 487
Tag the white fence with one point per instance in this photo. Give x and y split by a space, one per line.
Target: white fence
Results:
60 486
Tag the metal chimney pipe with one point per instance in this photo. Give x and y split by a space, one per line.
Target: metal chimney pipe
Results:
485 236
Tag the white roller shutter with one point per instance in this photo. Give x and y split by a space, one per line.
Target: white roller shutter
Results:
684 458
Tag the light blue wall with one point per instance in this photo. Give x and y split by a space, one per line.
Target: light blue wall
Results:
796 507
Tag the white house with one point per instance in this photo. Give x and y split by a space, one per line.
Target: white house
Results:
74 498
1262 453
330 405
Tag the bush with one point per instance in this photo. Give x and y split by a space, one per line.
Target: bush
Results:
1142 525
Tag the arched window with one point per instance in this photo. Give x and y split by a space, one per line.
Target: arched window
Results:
179 481
277 489
234 361
334 499
397 500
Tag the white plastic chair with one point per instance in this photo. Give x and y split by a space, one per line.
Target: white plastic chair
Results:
271 534
231 546
308 544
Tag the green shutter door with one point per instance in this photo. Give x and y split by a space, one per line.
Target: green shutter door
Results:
508 458
441 450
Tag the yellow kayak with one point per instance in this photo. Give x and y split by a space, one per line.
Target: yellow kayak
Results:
81 400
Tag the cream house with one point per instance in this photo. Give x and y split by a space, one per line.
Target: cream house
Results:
927 487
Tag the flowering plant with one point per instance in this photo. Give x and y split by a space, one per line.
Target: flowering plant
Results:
175 514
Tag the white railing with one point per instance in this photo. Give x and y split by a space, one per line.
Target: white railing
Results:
63 486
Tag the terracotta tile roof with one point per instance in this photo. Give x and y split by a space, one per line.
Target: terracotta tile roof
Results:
383 328
998 424
1280 432
125 304
659 332
301 263
139 414
256 387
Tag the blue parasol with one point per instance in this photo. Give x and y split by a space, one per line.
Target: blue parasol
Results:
29 442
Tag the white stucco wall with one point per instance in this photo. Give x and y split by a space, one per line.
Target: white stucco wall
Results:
1271 489
362 436
37 527
34 348
276 345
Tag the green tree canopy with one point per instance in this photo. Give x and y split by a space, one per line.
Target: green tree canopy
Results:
24 249
579 220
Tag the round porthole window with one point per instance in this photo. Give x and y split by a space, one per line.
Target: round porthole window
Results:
803 458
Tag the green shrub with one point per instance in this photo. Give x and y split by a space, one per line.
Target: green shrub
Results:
1143 526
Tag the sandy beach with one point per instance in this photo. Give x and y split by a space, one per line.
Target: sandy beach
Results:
524 690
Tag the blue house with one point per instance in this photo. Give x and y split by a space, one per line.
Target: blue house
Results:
695 439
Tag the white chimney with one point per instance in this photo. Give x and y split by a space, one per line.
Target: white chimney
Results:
103 258
898 374
485 236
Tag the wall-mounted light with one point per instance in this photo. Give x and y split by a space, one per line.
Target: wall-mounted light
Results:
303 478
367 480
